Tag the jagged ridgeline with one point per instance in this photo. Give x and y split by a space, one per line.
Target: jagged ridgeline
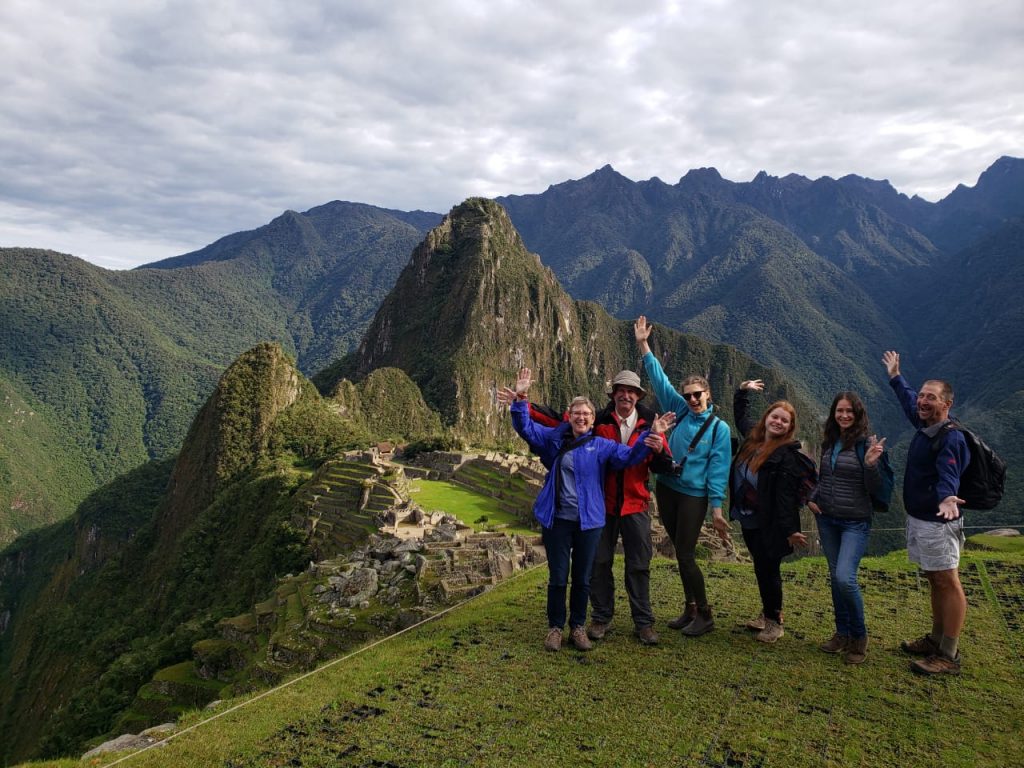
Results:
473 305
91 607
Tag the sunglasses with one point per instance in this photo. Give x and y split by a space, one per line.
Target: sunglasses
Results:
694 395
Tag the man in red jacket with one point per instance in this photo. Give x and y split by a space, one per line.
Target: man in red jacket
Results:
627 502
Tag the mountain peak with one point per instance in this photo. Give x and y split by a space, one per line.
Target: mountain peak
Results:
231 430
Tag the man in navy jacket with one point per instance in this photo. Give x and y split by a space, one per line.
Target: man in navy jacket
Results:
936 460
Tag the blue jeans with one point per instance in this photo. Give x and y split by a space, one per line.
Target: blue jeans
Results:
569 548
844 543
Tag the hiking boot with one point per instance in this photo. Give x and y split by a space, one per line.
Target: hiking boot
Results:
685 617
702 623
597 630
923 646
756 624
936 664
835 644
772 631
646 635
553 639
856 650
578 637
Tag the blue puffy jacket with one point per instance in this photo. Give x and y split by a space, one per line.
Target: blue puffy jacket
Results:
589 462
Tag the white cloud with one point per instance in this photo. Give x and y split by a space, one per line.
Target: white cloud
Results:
168 122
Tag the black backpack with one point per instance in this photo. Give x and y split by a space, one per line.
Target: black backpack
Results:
981 484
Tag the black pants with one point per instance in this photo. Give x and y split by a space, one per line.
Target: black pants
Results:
635 530
683 516
768 570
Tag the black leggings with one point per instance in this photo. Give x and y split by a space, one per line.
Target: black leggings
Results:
683 517
768 570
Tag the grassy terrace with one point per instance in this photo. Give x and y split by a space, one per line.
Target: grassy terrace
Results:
465 504
475 688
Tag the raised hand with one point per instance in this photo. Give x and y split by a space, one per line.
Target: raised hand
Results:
874 451
506 395
523 382
642 329
756 384
891 358
663 423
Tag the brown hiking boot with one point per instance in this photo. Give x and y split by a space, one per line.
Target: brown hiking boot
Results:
756 624
646 635
597 630
772 631
856 650
835 644
685 617
923 646
553 639
936 664
578 637
702 623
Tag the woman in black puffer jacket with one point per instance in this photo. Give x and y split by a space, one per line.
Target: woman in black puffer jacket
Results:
852 469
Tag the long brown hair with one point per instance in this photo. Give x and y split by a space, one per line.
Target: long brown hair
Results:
758 446
858 431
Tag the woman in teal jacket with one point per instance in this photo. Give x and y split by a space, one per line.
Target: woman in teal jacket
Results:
702 447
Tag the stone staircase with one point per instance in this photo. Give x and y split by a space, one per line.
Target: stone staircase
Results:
345 501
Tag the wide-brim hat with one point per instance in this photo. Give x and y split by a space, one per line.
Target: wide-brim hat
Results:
626 379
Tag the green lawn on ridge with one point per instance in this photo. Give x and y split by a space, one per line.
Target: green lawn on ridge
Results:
467 505
474 687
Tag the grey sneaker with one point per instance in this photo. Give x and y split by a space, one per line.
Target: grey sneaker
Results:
597 630
772 631
578 637
553 639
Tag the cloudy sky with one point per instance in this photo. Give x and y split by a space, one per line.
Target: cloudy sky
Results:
133 130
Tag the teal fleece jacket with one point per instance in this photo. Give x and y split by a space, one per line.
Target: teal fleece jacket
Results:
706 471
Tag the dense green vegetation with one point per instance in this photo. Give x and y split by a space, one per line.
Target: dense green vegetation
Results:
151 561
475 688
123 360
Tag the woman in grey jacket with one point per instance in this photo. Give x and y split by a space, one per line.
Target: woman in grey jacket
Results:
848 474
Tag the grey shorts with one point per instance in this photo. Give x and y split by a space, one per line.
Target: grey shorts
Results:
935 546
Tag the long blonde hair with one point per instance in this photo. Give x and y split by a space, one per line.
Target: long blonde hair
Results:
758 446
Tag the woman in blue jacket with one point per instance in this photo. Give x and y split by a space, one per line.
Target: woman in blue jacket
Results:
702 446
570 506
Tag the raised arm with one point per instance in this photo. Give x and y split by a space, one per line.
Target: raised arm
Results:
899 385
741 405
668 398
641 332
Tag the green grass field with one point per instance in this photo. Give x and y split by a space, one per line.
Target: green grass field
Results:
468 506
474 687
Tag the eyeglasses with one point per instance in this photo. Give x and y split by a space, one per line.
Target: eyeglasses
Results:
694 395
